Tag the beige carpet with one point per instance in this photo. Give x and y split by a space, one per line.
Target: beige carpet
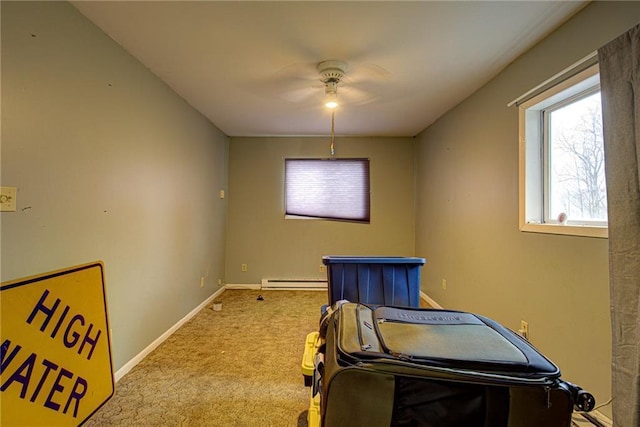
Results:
235 367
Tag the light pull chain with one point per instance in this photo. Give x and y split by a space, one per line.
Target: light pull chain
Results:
333 151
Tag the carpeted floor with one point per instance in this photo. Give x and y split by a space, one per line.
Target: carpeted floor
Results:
235 367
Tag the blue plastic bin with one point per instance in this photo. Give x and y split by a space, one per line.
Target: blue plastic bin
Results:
374 280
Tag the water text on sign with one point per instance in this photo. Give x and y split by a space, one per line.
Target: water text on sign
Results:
23 375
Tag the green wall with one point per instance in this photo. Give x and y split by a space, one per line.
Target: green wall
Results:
274 247
467 215
110 164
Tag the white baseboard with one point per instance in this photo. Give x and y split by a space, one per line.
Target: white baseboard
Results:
578 419
295 285
601 418
133 362
430 300
243 286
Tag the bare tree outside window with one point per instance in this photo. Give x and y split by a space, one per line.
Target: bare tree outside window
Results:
576 161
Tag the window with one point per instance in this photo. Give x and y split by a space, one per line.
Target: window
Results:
335 189
562 180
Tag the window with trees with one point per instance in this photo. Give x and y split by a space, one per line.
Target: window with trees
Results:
562 179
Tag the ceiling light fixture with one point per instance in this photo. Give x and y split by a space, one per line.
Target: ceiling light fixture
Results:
331 101
331 94
331 72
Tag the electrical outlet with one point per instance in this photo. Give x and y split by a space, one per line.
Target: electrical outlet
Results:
243 267
202 282
444 284
322 268
219 281
8 199
524 329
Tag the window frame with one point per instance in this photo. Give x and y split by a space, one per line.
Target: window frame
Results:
532 174
367 194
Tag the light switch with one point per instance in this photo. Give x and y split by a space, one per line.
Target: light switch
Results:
8 199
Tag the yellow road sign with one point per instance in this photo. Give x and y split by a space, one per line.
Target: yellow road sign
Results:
55 359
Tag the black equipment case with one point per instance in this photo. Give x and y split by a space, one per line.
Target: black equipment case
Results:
420 367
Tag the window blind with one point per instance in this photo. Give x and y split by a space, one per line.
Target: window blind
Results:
328 188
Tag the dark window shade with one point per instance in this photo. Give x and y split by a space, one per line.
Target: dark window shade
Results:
328 188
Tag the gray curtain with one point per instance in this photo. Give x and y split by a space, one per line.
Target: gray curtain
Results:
620 85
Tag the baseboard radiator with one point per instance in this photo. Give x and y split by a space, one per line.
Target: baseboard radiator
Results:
295 284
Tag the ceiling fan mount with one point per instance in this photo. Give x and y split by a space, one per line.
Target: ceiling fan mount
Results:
331 72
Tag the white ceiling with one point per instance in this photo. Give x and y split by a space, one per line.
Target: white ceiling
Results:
250 66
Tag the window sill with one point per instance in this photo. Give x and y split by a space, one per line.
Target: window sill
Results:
318 218
568 230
